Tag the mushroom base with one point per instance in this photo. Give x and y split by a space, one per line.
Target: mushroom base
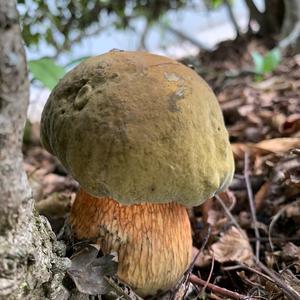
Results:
153 241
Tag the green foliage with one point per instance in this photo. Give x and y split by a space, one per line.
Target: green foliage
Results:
267 63
46 71
62 23
216 3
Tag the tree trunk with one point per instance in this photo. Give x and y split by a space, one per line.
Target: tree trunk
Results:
290 33
273 17
31 260
269 21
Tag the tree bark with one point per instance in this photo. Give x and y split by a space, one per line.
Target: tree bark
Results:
269 21
273 17
31 260
290 33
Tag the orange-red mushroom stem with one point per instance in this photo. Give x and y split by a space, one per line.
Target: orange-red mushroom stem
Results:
153 241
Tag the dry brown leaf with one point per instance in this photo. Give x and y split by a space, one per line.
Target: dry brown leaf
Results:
56 183
36 188
239 149
278 120
291 124
293 211
261 195
203 259
88 271
292 281
245 110
233 246
291 252
278 145
55 205
273 83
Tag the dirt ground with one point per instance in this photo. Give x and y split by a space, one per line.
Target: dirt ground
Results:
259 215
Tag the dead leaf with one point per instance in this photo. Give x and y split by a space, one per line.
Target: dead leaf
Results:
88 271
293 211
55 205
239 149
203 258
292 281
233 246
273 83
291 252
56 183
291 124
278 120
278 145
261 195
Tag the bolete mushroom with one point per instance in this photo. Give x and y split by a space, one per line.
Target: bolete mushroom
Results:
145 138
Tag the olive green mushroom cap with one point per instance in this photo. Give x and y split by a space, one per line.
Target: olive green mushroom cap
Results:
139 127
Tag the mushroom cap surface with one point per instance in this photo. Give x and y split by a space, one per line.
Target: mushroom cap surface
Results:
139 127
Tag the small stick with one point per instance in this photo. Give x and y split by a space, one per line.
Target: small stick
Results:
189 270
286 289
251 203
210 273
277 239
229 215
218 290
242 266
213 296
273 221
187 273
118 290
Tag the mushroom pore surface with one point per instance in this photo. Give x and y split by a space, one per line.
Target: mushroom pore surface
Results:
139 127
153 241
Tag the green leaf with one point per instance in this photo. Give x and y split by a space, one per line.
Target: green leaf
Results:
271 60
268 63
258 61
46 71
216 3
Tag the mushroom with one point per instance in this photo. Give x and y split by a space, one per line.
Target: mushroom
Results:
145 138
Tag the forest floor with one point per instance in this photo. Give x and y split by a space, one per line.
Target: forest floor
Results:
251 231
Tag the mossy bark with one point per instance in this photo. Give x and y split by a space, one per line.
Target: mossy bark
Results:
31 260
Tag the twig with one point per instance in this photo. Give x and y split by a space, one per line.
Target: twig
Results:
242 266
232 17
273 221
187 38
120 291
210 272
187 273
213 296
229 215
218 290
189 270
287 290
278 239
251 203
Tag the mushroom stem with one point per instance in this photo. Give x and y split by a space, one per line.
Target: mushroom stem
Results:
153 241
